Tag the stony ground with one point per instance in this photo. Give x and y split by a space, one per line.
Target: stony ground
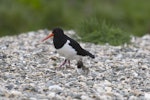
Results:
29 70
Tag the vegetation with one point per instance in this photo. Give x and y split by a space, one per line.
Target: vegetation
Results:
98 21
100 32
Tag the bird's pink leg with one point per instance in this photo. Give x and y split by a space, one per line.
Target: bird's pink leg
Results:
69 62
63 63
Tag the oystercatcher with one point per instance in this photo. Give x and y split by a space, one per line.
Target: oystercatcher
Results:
66 46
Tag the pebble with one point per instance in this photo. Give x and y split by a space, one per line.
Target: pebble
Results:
28 70
133 98
55 88
147 96
51 94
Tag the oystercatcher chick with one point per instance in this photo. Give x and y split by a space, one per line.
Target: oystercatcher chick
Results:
66 46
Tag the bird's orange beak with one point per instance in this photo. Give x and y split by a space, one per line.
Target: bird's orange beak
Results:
50 35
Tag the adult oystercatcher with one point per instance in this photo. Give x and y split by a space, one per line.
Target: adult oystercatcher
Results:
66 46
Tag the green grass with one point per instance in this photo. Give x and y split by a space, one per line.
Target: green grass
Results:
100 32
98 21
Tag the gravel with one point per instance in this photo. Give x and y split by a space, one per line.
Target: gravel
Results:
29 70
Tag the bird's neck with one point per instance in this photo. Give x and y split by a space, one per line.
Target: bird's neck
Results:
59 41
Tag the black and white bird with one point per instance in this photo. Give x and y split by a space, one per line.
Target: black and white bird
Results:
66 46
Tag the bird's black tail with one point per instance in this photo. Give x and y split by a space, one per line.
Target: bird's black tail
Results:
89 54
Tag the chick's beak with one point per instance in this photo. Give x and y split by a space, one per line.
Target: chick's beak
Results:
50 35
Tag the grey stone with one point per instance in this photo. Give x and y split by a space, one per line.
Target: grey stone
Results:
28 70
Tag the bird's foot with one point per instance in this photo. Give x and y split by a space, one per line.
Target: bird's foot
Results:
68 66
63 63
62 66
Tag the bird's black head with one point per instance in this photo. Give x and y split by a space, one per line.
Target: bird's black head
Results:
58 32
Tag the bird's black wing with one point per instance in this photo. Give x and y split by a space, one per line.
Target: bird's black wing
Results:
79 49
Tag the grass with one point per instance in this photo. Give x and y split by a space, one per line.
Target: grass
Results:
98 21
100 32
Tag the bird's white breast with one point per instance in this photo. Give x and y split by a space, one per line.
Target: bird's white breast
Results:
67 51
